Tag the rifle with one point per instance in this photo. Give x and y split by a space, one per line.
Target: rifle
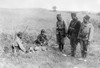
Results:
25 29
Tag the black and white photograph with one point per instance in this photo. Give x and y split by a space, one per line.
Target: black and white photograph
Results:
49 33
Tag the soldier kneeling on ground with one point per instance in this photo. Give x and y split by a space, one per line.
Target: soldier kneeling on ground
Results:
41 42
18 43
41 39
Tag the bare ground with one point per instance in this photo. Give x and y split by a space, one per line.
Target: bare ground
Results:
48 59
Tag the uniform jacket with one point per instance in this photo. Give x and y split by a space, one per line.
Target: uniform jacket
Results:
86 32
73 28
61 28
42 38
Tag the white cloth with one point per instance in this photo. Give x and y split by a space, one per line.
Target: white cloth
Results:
86 28
91 32
18 42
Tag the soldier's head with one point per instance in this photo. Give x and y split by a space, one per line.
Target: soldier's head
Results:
86 19
73 15
19 34
43 31
59 18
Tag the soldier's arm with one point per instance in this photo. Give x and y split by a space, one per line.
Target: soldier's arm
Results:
80 29
65 27
78 25
56 27
68 31
46 38
38 38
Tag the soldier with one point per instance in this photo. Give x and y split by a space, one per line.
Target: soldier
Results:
60 32
42 39
18 43
72 33
85 35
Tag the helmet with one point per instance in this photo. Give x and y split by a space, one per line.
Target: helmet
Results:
87 17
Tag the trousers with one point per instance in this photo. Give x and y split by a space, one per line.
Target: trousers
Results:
84 44
73 43
60 41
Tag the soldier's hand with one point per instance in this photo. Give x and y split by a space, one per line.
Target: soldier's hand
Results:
71 28
68 36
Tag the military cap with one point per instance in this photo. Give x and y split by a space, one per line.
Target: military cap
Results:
87 17
73 14
58 15
19 34
42 31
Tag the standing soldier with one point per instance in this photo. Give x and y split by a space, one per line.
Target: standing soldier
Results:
60 32
72 33
85 35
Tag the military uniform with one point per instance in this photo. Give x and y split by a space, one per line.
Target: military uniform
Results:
85 36
18 44
72 34
60 33
41 39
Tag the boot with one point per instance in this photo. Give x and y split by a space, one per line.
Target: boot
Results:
84 54
72 54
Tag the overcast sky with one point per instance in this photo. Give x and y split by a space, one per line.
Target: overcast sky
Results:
69 5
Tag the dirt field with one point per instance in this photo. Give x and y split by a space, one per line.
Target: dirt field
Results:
36 19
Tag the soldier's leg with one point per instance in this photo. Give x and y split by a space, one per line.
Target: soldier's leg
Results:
57 37
59 42
21 47
85 45
73 46
15 50
82 47
60 45
37 42
62 42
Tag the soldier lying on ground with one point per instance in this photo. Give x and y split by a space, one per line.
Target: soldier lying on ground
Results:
41 39
18 43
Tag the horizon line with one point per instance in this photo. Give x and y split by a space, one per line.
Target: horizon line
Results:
52 9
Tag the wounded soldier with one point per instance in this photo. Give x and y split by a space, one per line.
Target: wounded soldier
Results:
18 44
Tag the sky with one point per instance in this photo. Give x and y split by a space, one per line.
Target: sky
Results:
66 5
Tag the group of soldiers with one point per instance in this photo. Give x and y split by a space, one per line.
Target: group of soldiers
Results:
18 44
77 32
